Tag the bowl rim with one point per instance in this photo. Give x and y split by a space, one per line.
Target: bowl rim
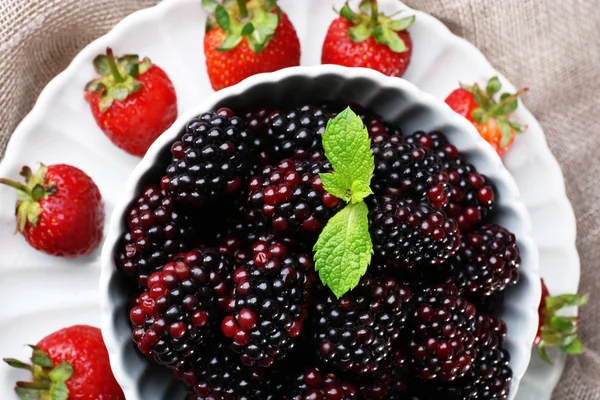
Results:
526 242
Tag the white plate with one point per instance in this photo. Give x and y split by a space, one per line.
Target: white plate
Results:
40 293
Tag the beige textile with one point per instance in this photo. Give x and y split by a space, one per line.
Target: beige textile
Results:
550 46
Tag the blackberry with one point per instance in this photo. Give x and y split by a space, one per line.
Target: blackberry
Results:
215 372
406 170
442 334
268 308
297 133
291 196
210 159
178 311
378 128
156 231
391 382
438 143
472 195
355 333
490 376
409 233
315 383
487 262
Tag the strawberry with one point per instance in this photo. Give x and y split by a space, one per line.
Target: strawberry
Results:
369 39
69 364
490 117
133 102
59 211
247 38
558 331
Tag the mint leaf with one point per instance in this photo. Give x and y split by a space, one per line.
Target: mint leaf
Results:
337 184
344 248
348 149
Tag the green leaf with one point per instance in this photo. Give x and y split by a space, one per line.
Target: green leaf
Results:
101 64
347 13
222 17
132 70
230 42
359 33
265 24
360 190
270 5
493 86
39 357
555 303
27 394
348 148
365 7
402 24
17 364
105 103
478 115
506 130
118 93
338 185
59 391
144 65
575 347
390 38
247 29
543 352
344 248
210 6
509 107
61 373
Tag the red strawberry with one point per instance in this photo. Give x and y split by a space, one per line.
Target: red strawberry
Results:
245 39
69 364
133 102
369 39
59 211
491 118
558 331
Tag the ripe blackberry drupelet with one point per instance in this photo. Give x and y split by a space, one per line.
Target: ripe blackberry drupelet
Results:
406 170
291 196
409 233
215 372
442 334
487 262
391 381
268 308
156 231
490 376
355 333
297 133
179 310
438 143
316 384
211 158
472 196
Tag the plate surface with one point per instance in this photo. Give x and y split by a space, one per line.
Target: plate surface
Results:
53 293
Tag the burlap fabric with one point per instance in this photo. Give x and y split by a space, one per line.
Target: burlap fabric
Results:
550 46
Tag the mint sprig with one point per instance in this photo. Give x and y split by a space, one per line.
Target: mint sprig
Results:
344 247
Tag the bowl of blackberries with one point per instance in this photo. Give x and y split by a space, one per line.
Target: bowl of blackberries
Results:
320 233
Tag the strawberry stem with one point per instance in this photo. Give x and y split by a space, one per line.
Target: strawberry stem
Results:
374 13
243 8
14 184
113 66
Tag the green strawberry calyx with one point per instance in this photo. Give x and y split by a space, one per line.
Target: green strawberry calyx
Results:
49 380
490 110
557 330
30 194
118 77
369 22
254 20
